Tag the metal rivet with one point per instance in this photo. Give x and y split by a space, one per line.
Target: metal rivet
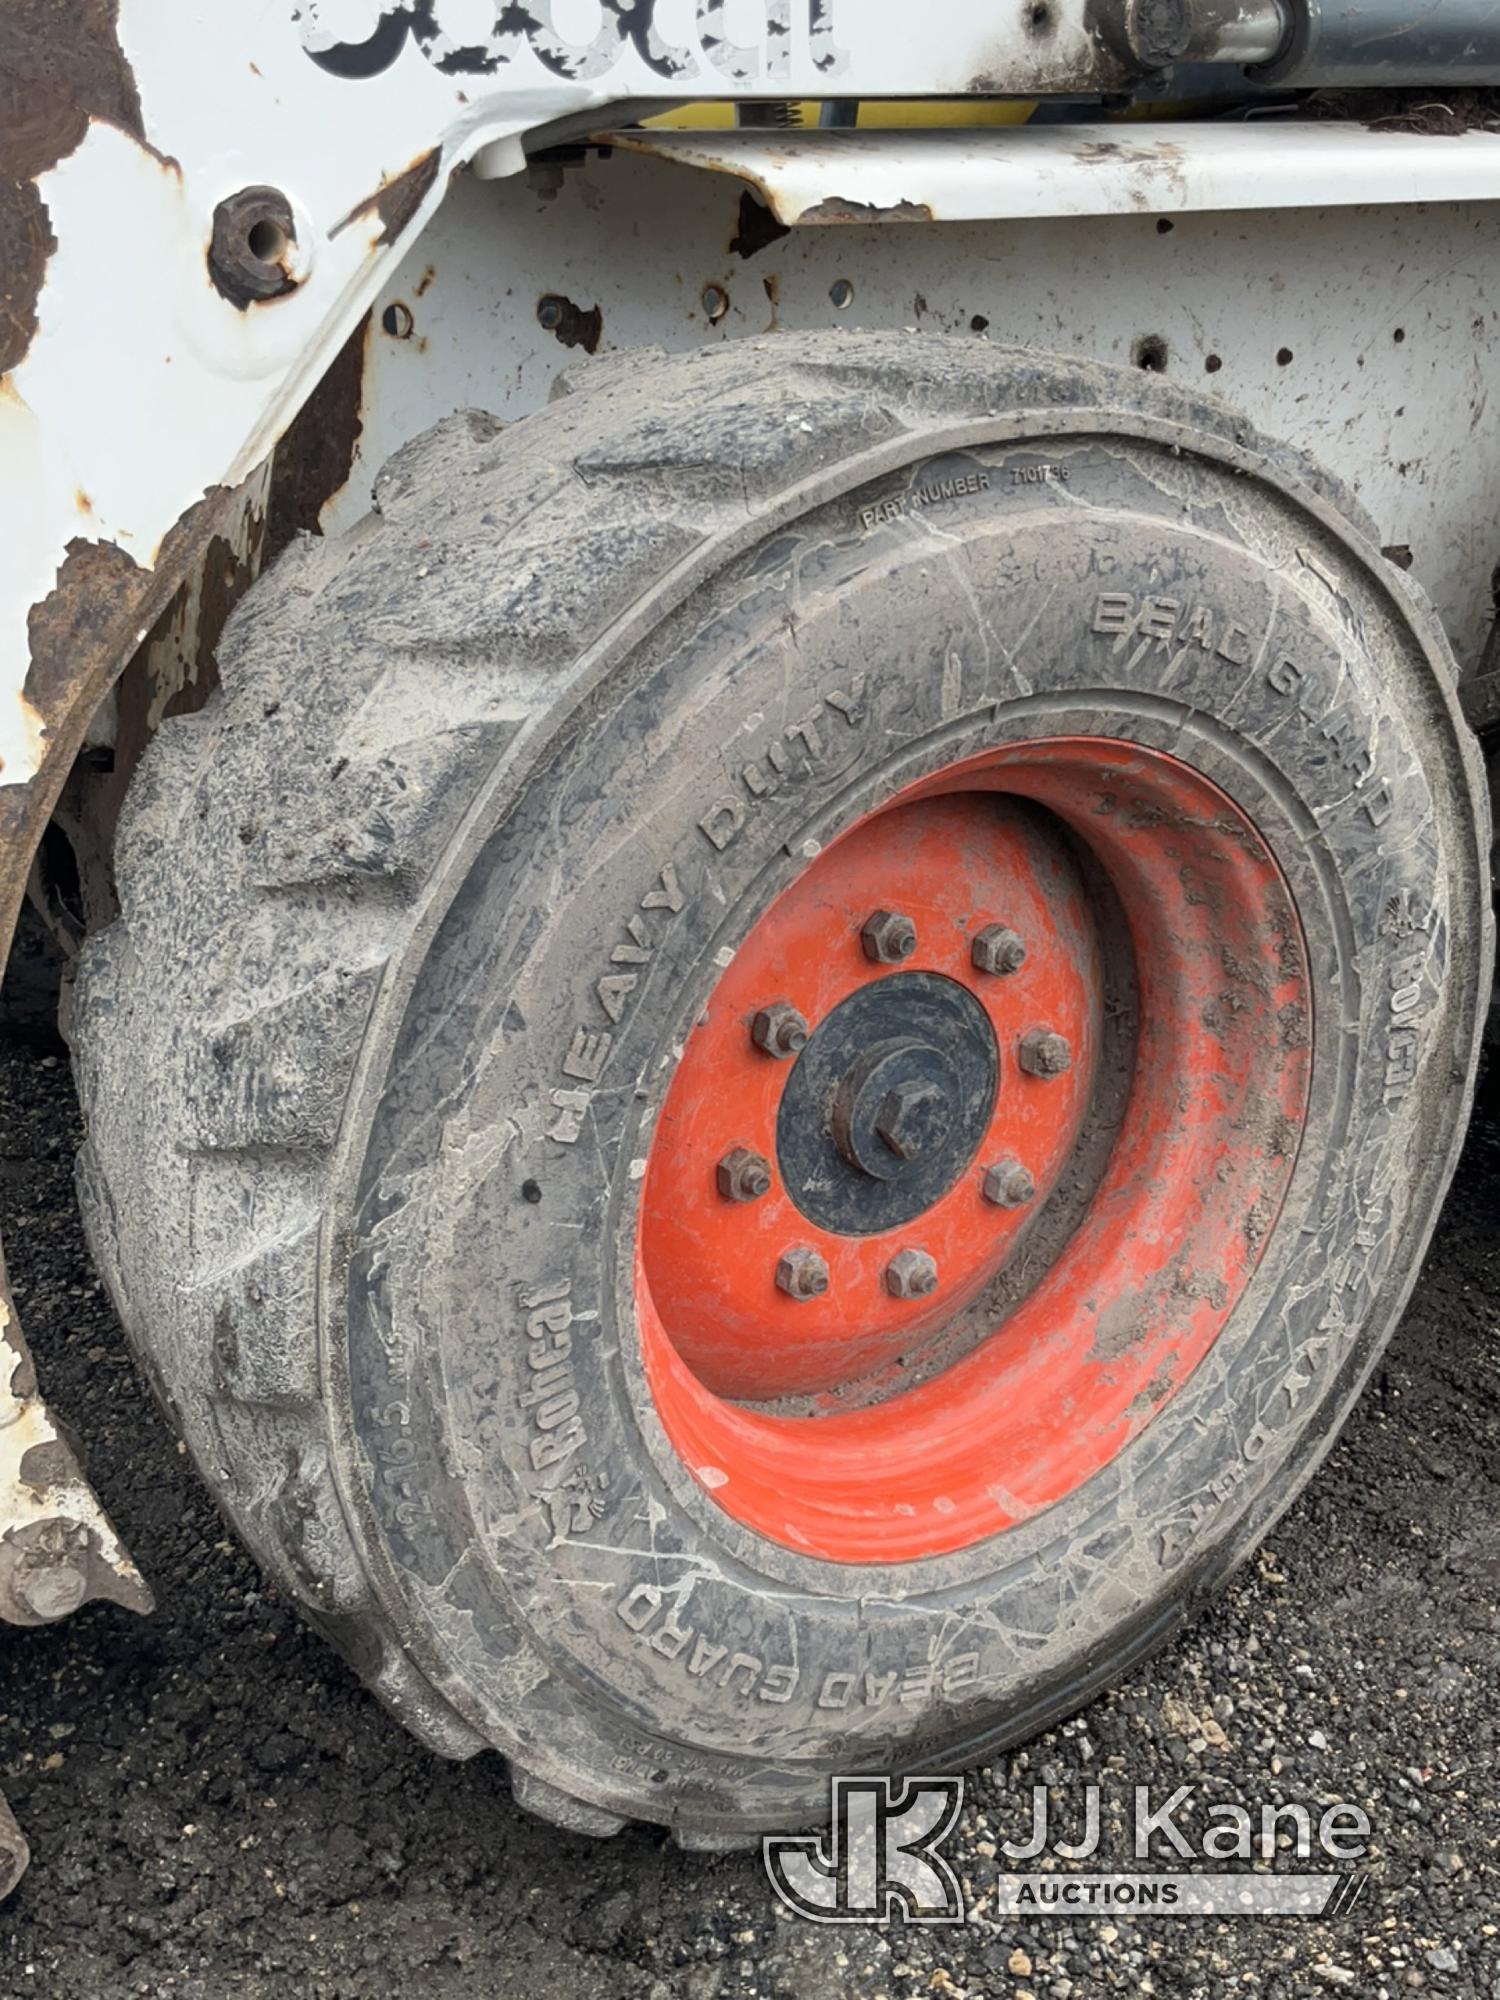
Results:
997 950
780 1030
888 937
841 294
1045 1053
550 312
715 303
743 1175
911 1274
1009 1185
802 1274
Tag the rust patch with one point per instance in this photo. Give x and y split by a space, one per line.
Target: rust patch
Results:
47 1464
254 235
173 672
571 324
226 575
758 228
1398 553
315 456
71 622
396 201
26 242
61 65
90 621
837 209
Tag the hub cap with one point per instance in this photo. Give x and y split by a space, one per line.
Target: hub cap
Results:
951 966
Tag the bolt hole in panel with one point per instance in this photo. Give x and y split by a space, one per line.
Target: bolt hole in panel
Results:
1131 1301
1408 423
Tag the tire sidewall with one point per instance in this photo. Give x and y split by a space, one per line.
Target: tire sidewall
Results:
883 637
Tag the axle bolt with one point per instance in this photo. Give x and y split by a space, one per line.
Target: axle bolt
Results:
743 1175
802 1274
911 1117
1045 1053
998 950
780 1030
889 938
911 1274
1009 1185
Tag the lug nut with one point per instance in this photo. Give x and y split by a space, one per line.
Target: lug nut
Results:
888 937
911 1274
1008 1185
802 1274
780 1030
1045 1053
997 949
743 1175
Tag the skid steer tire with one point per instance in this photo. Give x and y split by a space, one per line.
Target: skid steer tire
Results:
426 912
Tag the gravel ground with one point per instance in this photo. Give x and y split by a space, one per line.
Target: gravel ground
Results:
215 1807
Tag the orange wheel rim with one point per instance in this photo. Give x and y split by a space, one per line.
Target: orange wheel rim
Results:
882 1103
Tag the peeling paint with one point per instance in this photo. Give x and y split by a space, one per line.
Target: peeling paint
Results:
41 1484
61 65
1001 172
839 208
22 737
395 201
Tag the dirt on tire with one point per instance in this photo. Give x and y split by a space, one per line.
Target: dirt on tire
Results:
365 1100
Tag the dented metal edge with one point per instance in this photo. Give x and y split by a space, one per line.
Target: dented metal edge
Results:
816 177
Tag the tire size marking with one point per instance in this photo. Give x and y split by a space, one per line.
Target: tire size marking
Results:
652 1615
1408 984
588 1050
396 1456
799 749
1174 627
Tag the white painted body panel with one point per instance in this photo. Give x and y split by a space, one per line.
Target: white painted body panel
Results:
1039 171
144 389
1409 423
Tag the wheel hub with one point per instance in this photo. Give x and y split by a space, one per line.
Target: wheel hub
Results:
887 1103
859 1047
948 1051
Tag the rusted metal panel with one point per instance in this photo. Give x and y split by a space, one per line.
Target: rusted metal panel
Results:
150 354
61 65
